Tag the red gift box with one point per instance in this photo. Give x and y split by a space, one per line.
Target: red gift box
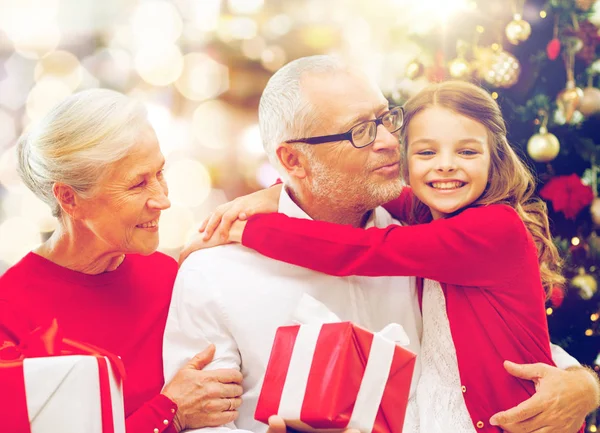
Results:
49 383
333 376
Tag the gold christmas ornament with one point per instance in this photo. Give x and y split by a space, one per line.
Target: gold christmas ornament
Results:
414 70
590 102
586 284
459 68
497 67
518 30
595 211
569 100
543 146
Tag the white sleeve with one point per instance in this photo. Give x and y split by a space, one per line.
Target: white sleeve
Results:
194 321
562 359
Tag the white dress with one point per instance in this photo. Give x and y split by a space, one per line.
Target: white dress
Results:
438 405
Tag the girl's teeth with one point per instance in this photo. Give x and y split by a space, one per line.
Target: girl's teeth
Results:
446 185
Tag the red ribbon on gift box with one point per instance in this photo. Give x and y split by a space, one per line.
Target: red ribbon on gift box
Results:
45 342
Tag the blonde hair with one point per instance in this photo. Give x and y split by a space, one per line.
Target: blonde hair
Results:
76 141
510 181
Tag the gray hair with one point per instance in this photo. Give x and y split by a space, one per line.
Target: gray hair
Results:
77 140
283 112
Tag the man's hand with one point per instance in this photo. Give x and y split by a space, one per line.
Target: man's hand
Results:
562 400
277 425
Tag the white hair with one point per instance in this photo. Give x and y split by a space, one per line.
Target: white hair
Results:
77 140
283 112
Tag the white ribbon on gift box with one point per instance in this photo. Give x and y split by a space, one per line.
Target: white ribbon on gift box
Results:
63 394
374 379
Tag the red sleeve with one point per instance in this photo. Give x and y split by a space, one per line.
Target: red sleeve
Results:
475 248
152 415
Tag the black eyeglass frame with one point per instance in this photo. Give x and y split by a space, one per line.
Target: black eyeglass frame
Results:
348 135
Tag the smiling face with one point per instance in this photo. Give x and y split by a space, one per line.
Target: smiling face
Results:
448 159
124 211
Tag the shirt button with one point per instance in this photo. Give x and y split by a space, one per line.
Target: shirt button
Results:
166 422
172 410
156 430
479 424
464 388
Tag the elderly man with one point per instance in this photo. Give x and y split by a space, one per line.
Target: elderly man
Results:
236 299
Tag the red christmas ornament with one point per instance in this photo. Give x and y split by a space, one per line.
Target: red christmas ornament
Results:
553 49
568 194
557 296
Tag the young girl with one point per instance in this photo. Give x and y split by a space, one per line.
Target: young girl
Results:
477 236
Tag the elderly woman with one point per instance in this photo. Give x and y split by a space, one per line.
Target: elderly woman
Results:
95 160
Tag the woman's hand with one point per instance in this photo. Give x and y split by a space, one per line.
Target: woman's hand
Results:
204 398
221 220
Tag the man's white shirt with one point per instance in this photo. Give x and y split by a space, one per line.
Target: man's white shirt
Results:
235 298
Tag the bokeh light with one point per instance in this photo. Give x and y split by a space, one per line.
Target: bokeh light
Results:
156 22
31 25
202 77
7 128
237 28
9 178
253 48
47 92
189 182
205 14
160 64
15 87
273 58
210 124
175 226
245 6
18 236
251 141
61 65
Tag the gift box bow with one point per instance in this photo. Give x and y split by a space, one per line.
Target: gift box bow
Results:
48 342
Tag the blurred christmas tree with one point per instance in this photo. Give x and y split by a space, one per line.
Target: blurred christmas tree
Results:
540 60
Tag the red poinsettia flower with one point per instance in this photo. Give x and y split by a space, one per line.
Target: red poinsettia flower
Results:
568 194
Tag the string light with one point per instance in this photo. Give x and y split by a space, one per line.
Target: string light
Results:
549 311
575 241
593 428
589 332
495 95
594 317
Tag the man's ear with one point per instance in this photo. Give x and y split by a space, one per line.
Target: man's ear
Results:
292 160
67 199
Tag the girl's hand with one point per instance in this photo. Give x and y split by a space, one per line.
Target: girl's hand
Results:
199 242
221 220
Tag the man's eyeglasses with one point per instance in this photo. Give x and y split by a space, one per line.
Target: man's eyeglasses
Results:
364 133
